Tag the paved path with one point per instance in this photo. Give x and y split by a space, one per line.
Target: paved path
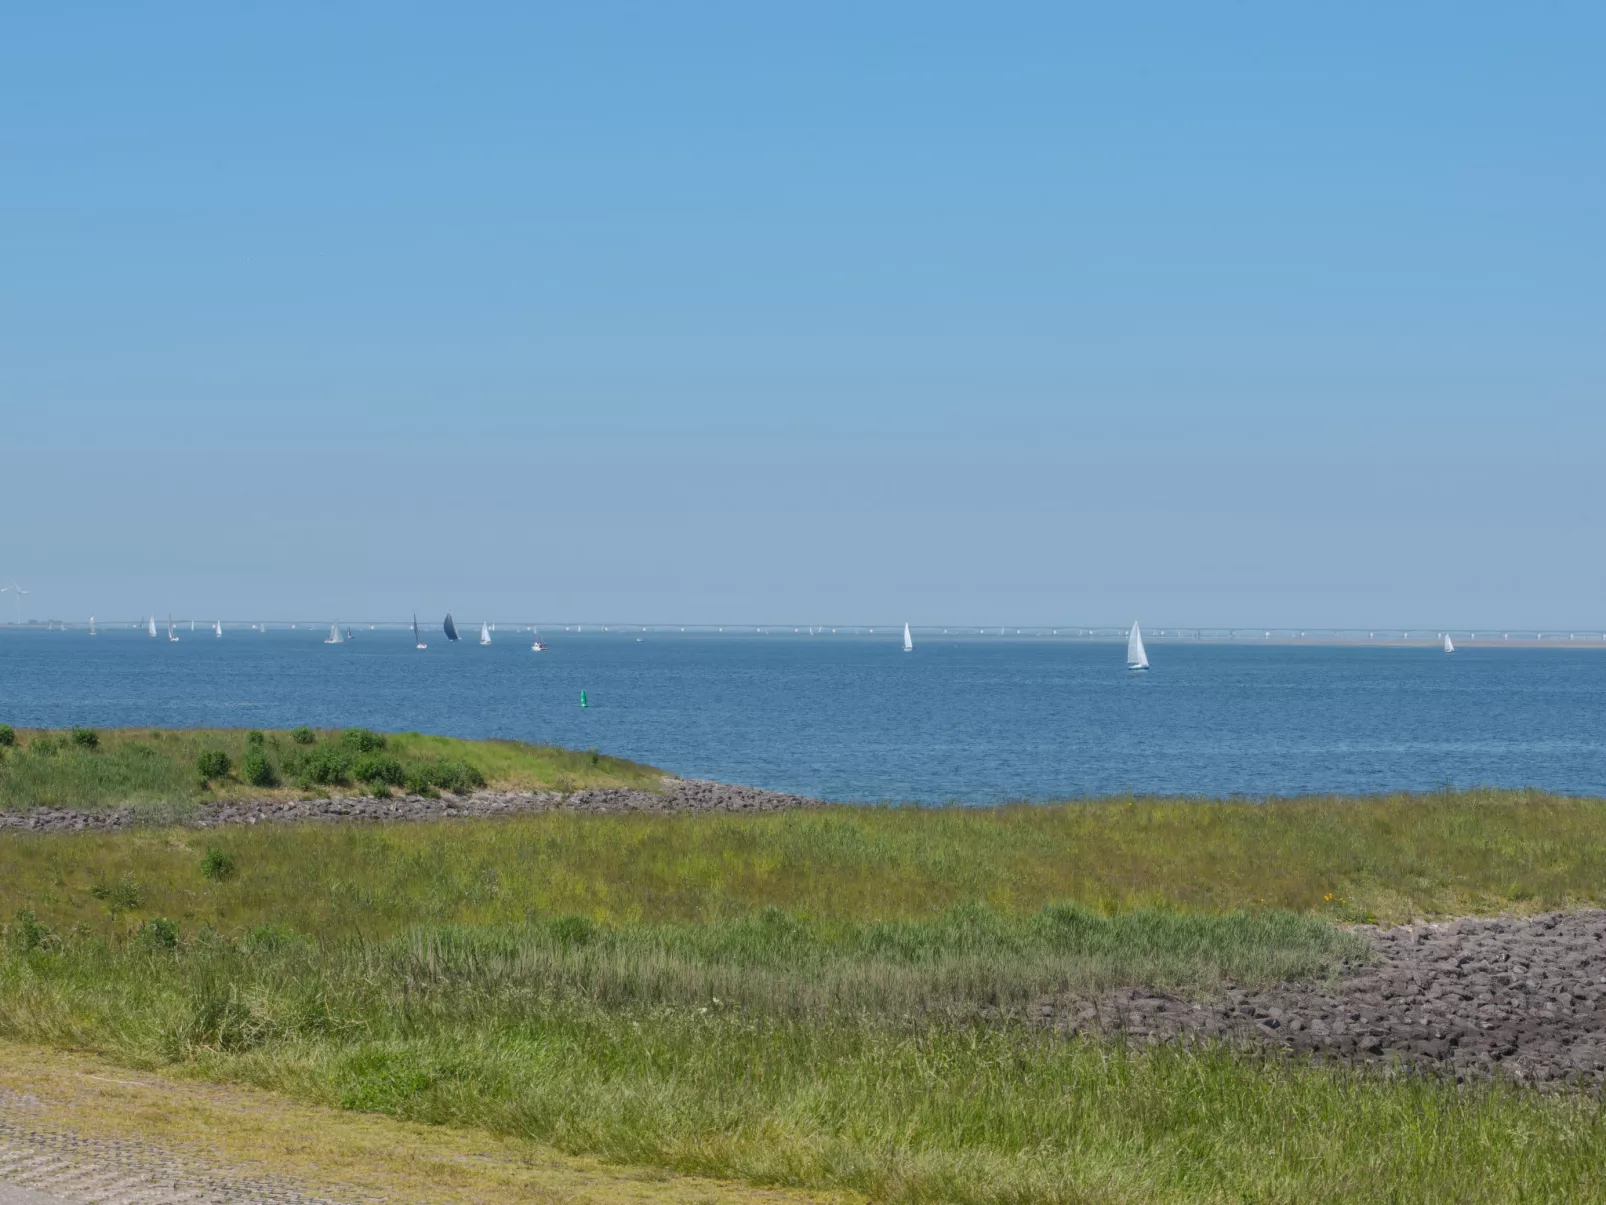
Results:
25 1196
55 1167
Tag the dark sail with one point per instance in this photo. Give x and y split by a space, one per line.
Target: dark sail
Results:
415 629
451 628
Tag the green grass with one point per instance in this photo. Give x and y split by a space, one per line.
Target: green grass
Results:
833 1000
1347 859
905 1109
154 770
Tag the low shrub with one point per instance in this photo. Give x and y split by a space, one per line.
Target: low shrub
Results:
303 735
159 933
255 738
387 770
8 735
86 738
213 763
455 776
257 770
121 896
26 932
218 865
417 783
361 740
322 765
44 746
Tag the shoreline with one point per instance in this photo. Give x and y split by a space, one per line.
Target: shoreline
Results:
683 796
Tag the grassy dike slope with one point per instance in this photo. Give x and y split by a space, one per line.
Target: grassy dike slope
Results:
155 770
828 1000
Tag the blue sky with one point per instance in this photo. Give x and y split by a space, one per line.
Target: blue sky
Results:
720 312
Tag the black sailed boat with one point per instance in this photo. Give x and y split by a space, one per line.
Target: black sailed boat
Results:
451 628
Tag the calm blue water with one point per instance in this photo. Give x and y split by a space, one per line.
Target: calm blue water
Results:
854 718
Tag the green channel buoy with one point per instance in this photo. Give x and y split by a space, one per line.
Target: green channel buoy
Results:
583 702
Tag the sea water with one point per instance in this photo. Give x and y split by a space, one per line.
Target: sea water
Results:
975 719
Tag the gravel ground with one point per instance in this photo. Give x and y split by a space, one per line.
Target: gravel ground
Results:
678 795
1522 999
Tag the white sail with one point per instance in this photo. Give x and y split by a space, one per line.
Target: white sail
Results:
1136 658
217 628
334 634
170 634
1449 645
485 633
91 625
151 624
908 641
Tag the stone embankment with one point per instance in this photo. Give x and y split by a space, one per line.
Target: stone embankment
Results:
678 795
1523 999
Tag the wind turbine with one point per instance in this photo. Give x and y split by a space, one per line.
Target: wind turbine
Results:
19 592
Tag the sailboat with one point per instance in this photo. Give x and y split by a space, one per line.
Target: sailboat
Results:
170 635
1449 645
417 643
1136 658
451 628
536 646
908 641
334 634
348 633
217 628
150 623
192 625
485 633
91 625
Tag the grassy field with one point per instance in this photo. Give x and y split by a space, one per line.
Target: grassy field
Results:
827 1001
159 772
1345 859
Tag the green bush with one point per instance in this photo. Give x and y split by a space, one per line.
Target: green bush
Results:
417 783
213 763
322 765
255 738
86 738
257 770
8 735
303 735
159 933
361 740
44 746
387 770
455 776
121 896
218 865
26 932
